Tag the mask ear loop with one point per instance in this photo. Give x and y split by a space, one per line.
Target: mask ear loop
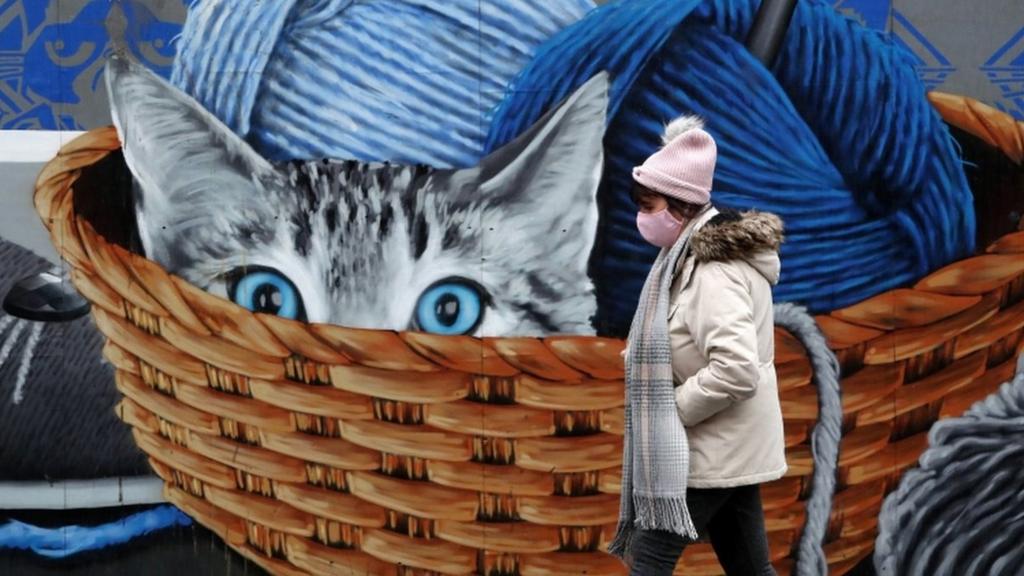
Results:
672 216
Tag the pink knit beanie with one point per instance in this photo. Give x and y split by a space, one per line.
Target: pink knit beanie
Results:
685 166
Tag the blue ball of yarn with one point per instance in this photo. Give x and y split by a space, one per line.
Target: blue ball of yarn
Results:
837 137
409 81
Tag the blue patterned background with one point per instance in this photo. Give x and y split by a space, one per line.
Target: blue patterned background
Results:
52 54
52 51
1005 69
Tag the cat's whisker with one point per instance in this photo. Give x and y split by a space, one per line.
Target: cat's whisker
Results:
26 362
10 341
5 322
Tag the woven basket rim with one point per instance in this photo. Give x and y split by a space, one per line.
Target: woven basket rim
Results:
53 203
581 356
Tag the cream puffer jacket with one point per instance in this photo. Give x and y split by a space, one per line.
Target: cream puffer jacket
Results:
722 332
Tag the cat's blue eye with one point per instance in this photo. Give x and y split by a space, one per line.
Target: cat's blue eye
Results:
267 291
450 307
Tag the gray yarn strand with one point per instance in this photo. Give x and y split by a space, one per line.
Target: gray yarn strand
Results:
811 559
960 511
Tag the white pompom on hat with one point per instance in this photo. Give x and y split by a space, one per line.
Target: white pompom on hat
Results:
685 166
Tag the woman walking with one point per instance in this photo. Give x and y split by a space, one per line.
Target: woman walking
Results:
703 424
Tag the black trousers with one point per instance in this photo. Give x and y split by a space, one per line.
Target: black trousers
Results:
733 519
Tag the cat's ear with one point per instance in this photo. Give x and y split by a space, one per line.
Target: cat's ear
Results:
558 154
543 184
183 158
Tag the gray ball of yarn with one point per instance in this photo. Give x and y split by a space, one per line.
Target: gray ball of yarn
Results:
961 511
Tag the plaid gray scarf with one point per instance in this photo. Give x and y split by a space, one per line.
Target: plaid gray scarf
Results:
656 454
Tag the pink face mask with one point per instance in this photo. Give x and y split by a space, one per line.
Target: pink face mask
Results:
660 228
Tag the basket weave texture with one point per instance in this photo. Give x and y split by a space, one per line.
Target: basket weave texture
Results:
319 449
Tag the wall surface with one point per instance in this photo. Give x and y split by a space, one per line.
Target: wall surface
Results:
352 295
53 51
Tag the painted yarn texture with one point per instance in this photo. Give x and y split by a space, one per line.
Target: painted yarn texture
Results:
961 509
404 81
837 137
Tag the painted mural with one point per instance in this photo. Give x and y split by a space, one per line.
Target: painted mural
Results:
52 56
343 288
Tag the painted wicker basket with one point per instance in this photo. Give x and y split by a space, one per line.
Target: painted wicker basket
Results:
317 449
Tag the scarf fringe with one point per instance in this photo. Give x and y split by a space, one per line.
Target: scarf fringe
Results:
665 513
621 545
653 513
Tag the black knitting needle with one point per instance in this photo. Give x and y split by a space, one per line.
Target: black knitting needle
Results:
770 25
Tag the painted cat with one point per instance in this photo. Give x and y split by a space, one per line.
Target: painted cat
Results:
500 248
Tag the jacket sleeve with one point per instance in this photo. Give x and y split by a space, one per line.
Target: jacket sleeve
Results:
720 318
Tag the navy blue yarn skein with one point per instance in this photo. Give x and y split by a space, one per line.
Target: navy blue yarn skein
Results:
837 138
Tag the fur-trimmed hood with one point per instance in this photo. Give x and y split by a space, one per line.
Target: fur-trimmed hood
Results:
752 236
